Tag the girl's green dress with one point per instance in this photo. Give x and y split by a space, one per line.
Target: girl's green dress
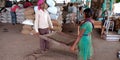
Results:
85 44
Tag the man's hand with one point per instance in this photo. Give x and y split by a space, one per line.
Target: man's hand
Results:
37 34
72 48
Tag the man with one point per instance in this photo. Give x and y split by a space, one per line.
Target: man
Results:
42 24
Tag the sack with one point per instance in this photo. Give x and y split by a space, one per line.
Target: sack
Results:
50 3
30 17
58 9
27 27
56 28
52 10
24 31
55 23
28 22
29 11
54 16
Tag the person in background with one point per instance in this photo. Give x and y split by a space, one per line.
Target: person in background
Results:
72 10
74 13
79 17
42 24
27 4
79 14
70 7
13 13
84 38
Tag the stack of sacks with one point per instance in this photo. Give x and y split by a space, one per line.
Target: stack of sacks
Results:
28 23
117 24
29 13
20 15
3 17
55 14
8 15
2 3
50 3
26 29
0 17
60 16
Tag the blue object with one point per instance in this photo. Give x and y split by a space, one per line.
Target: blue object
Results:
79 1
73 1
14 19
99 19
88 0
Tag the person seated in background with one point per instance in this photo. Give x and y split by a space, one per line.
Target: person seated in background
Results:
70 7
99 14
72 10
79 15
74 13
27 4
107 23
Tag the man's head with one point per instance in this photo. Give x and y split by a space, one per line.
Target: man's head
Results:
41 4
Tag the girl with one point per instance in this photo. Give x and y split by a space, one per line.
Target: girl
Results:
84 38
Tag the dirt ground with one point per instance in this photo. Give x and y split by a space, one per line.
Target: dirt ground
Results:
15 46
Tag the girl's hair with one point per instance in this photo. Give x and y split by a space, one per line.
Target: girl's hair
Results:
80 8
88 12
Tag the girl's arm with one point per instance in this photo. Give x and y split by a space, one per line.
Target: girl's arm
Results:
78 31
77 40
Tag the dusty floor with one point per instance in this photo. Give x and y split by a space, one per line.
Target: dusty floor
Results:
15 46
